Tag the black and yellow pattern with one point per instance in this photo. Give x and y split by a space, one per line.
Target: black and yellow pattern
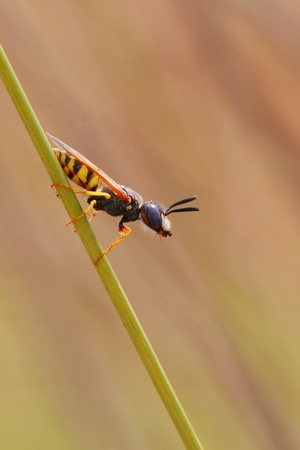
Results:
83 172
77 171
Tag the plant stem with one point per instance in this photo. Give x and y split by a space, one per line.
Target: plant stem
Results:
104 269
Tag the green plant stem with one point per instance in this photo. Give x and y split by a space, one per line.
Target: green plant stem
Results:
104 269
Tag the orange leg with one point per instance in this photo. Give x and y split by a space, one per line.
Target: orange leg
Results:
89 209
86 212
82 191
124 232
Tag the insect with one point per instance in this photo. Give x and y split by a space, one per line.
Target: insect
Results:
104 194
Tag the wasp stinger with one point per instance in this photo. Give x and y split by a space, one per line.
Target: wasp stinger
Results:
104 194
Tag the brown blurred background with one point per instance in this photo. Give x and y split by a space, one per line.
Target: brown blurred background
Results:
173 99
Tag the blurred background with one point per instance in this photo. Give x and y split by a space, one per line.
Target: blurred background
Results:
172 99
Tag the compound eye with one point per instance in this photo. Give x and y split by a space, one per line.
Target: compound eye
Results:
151 216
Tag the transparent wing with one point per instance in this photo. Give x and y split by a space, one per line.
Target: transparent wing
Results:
80 170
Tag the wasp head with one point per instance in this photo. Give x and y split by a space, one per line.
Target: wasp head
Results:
155 216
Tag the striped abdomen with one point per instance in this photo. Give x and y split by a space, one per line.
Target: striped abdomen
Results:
77 171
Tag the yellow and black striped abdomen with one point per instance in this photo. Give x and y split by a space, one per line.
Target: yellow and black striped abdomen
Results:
77 171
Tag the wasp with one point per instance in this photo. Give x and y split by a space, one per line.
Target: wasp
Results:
104 194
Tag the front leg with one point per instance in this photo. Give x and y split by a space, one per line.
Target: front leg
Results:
124 232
